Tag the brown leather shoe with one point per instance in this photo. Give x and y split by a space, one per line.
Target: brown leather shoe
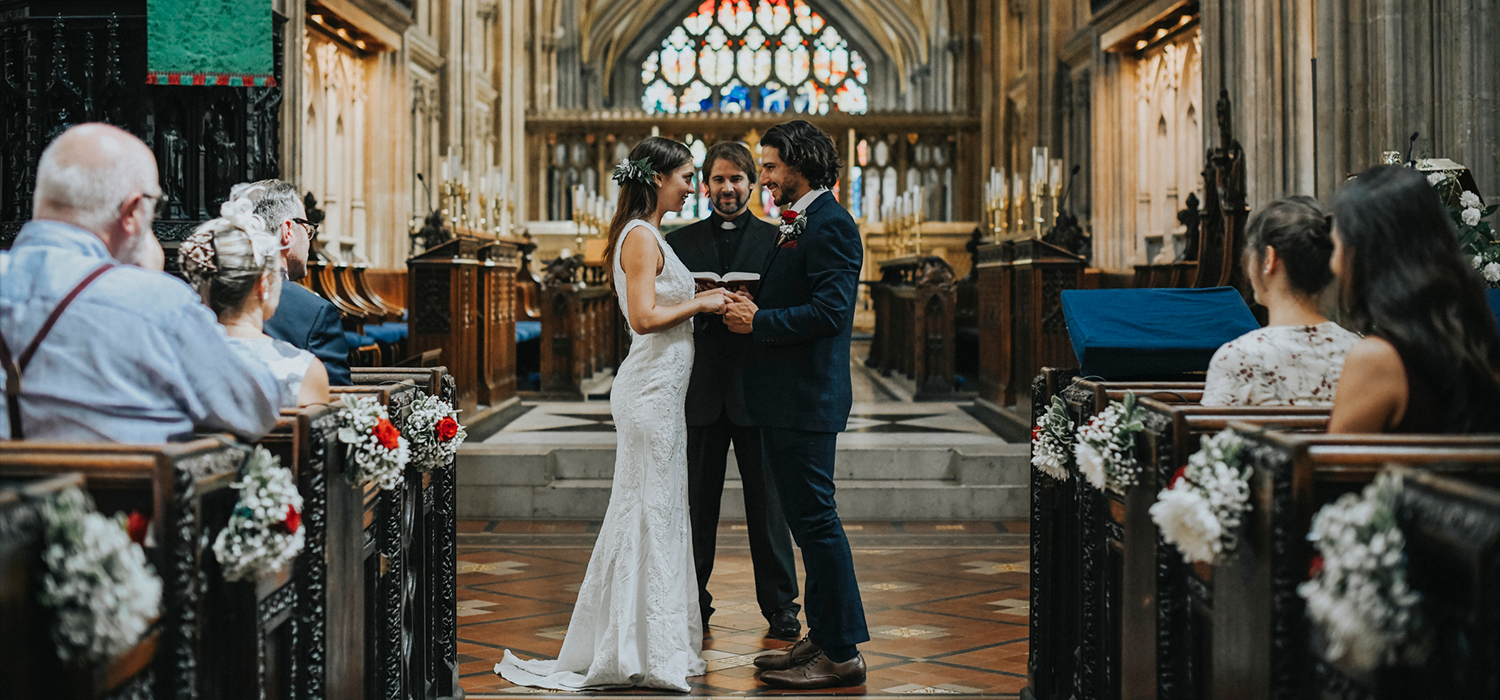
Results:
795 655
818 672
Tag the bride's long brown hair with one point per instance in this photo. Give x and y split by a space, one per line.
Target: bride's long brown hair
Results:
638 199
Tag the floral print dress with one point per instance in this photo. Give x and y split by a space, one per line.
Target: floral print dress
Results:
1279 366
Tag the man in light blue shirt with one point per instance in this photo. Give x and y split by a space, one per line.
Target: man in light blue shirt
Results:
136 357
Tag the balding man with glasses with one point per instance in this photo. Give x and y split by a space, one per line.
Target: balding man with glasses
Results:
94 348
302 318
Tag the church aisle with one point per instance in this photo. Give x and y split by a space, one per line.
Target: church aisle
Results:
946 602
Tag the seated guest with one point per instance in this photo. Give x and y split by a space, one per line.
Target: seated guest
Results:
1296 359
302 318
1430 359
232 262
116 353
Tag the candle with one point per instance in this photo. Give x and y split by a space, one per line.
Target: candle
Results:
1039 165
1003 185
1055 179
445 169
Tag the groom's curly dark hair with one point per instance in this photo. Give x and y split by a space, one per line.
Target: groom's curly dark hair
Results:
806 148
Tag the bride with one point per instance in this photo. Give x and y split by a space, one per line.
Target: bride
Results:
636 622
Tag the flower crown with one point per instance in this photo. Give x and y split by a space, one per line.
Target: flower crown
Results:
199 253
639 171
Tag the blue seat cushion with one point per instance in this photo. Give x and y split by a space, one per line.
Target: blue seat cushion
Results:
1144 333
356 340
387 332
528 330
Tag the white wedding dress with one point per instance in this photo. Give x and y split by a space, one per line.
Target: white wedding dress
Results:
636 622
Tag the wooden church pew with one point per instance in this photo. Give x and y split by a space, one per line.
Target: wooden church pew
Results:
1260 640
1164 620
435 559
1452 533
29 666
219 639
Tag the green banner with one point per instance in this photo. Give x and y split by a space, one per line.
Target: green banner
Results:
209 42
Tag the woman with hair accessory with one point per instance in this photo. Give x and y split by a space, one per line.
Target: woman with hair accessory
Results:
637 622
232 262
1430 358
1297 358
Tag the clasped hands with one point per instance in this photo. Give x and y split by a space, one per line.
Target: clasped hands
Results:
737 308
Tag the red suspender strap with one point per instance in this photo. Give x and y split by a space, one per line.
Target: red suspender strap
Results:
15 368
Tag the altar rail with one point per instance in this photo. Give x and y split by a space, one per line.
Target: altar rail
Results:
914 304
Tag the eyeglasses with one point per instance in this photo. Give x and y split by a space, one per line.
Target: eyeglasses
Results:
312 228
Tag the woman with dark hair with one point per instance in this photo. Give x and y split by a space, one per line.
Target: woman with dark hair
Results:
1430 359
636 622
1296 359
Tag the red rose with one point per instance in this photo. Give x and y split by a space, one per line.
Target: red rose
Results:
447 428
293 520
789 216
1177 476
1316 567
135 526
387 434
1036 433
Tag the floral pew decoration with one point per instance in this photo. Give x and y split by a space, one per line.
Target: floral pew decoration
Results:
265 530
1106 446
1358 597
103 594
435 433
1201 510
1052 441
374 445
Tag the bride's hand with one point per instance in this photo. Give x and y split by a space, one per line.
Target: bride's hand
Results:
713 301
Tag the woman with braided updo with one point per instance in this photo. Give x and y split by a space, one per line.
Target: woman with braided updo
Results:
1296 360
233 264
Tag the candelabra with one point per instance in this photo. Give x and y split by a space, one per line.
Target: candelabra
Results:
997 203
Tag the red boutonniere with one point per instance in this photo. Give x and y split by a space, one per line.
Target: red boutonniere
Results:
387 434
447 428
793 223
1177 476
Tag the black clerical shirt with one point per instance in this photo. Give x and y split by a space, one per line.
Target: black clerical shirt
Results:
727 235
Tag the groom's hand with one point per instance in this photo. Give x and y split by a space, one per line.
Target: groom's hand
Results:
739 315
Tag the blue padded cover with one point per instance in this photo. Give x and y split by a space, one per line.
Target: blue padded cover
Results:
1143 333
528 330
356 340
387 332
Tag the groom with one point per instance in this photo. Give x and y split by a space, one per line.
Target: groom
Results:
796 385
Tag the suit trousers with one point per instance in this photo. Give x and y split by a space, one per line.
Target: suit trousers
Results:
770 541
801 465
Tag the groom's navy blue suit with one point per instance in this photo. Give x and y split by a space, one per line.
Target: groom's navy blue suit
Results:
796 387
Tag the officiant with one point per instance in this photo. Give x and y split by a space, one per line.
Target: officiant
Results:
731 239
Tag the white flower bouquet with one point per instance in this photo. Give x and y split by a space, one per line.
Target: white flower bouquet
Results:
1357 594
1476 236
374 446
97 582
1106 446
1052 441
1201 510
265 529
434 432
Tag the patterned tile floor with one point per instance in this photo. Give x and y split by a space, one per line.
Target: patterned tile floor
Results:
946 604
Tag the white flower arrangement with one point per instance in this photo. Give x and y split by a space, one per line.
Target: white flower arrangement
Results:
1052 441
97 582
1358 594
1201 510
265 529
1476 237
1106 446
373 444
434 432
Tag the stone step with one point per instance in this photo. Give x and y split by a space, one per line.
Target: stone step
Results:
983 480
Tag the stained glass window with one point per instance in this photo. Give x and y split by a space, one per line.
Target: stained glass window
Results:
755 55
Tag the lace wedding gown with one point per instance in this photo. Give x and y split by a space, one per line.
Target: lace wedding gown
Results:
636 622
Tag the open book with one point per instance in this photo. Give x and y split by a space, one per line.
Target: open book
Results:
733 281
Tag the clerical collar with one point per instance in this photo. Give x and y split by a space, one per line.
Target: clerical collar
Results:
806 200
737 222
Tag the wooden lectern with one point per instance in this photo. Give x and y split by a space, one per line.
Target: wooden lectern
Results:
1021 327
460 299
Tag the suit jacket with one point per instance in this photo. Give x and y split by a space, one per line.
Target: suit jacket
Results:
718 355
310 322
797 372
